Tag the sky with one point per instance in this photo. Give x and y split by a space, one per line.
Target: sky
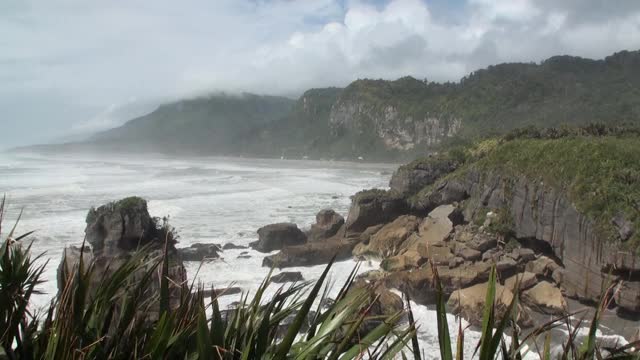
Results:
72 67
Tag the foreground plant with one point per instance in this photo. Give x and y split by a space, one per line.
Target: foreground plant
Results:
117 320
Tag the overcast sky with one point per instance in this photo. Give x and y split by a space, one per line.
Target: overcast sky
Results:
74 66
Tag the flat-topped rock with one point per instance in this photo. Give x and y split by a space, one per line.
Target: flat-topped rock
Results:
276 236
546 297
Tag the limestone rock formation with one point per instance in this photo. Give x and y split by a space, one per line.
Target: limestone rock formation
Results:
117 229
328 222
373 207
276 236
413 177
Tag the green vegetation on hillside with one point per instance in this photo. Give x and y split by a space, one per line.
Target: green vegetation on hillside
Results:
561 90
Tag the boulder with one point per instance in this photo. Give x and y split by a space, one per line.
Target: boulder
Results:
627 296
232 246
388 240
467 253
328 222
276 236
411 178
526 280
373 207
199 252
469 304
523 254
506 266
287 276
542 266
455 262
313 253
436 227
545 297
482 242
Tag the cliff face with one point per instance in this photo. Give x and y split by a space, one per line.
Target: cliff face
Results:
386 122
564 217
543 213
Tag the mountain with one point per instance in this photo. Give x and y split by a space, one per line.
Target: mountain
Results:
379 119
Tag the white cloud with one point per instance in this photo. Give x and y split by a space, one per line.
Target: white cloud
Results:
74 57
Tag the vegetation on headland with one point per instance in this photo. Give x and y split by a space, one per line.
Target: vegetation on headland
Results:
114 322
596 166
488 102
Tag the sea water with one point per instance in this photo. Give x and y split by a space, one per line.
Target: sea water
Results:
208 200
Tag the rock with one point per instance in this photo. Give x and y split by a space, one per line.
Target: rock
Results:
546 297
482 242
624 227
558 275
506 266
467 253
222 291
411 178
71 259
328 222
313 253
437 226
455 262
492 255
232 246
526 281
366 235
627 296
199 252
388 240
523 254
114 231
276 236
287 276
469 304
373 207
120 226
243 257
542 266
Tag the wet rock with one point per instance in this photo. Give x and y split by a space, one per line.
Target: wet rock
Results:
328 222
232 246
314 252
200 252
243 257
276 236
558 275
233 290
546 297
287 276
373 207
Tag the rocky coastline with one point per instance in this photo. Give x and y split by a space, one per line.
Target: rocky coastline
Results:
428 220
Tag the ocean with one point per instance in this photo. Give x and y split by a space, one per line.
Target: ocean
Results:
207 199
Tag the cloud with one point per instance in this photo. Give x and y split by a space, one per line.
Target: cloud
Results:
73 59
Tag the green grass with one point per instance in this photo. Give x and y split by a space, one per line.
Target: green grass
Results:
601 175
